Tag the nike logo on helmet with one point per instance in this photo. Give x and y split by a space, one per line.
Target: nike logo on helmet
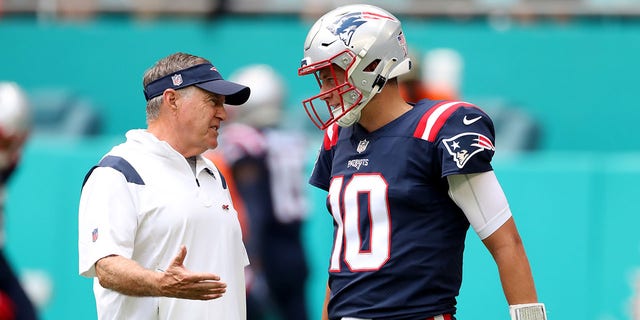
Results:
470 121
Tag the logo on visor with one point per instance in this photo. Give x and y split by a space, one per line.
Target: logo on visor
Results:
176 79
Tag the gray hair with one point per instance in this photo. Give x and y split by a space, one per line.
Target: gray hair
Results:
163 67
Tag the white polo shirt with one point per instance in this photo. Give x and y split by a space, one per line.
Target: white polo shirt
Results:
147 219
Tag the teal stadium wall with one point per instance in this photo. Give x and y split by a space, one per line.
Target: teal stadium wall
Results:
575 200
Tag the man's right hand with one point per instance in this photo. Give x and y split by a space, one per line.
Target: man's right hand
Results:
178 282
128 277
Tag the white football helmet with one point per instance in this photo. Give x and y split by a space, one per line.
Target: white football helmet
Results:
15 122
365 41
264 107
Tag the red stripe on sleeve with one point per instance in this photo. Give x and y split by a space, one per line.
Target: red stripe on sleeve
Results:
422 124
441 121
331 136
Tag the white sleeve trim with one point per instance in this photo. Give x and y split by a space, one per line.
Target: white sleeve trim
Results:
482 200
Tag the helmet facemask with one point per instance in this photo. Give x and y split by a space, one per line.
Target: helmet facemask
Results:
319 110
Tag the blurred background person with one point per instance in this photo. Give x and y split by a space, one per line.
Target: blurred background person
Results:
435 76
441 72
15 120
267 163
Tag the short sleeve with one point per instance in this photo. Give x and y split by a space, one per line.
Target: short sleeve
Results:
465 142
107 218
321 174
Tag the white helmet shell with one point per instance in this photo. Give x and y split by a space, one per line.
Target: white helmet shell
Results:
15 122
264 107
365 41
15 117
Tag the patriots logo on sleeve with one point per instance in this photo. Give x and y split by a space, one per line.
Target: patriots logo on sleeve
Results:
465 145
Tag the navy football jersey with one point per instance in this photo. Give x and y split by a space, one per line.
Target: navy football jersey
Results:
398 236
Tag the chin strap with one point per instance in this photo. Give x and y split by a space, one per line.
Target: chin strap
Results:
528 311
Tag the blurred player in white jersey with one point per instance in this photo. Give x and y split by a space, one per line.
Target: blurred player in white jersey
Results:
268 166
14 129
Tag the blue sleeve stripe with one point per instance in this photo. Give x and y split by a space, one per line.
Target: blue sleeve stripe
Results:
120 164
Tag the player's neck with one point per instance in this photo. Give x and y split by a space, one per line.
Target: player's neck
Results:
382 109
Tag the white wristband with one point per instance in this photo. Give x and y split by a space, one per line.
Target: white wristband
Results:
528 311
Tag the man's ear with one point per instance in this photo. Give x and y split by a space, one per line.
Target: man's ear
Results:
170 96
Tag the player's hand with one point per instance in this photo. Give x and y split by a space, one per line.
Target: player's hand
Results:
178 282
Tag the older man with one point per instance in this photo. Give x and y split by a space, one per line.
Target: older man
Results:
157 227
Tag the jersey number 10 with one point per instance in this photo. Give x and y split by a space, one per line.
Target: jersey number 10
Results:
347 214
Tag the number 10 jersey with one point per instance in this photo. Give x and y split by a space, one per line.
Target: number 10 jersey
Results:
398 236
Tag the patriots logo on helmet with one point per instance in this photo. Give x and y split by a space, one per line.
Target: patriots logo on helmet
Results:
465 145
347 24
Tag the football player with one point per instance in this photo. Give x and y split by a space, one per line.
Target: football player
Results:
404 181
15 126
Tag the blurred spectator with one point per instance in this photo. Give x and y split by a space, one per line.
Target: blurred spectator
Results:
442 73
78 9
151 9
15 118
267 164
